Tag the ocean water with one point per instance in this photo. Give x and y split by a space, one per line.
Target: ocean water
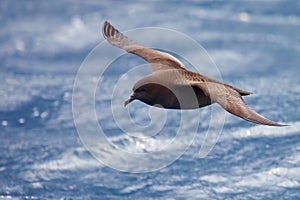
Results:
254 44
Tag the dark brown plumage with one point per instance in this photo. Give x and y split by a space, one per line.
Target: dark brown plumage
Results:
174 87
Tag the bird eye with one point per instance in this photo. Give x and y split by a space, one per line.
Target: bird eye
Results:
143 90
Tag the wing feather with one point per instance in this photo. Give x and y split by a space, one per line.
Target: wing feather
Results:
158 60
232 101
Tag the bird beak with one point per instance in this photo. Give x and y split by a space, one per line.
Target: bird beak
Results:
132 97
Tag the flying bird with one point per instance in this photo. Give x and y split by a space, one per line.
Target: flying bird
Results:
172 86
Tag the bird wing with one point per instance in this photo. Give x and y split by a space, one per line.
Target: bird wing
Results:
158 60
232 101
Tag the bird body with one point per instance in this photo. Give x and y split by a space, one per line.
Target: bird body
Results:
172 86
172 92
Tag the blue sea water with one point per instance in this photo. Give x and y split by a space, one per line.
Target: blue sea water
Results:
256 46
